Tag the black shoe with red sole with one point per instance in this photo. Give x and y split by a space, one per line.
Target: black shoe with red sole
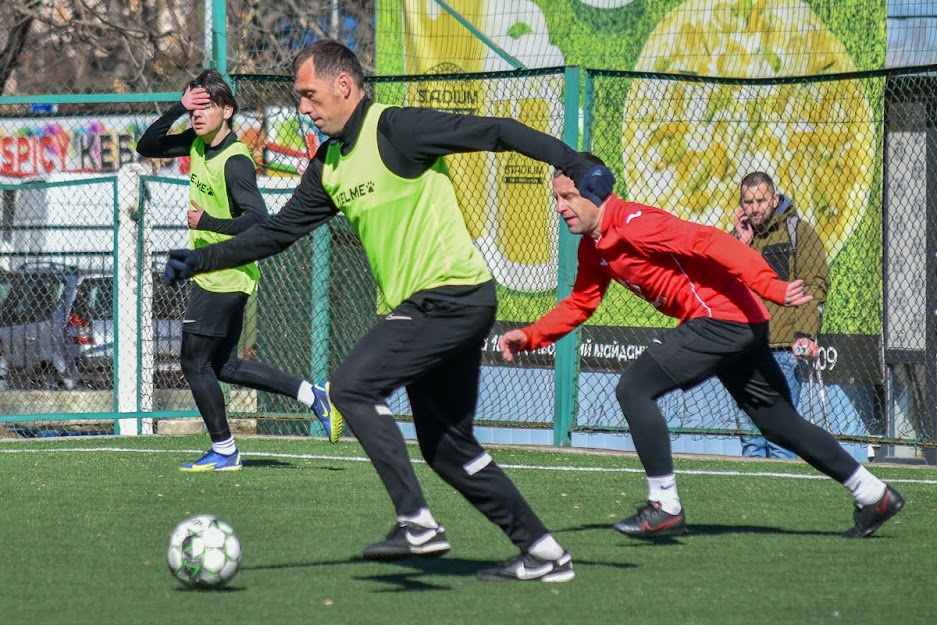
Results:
650 521
870 518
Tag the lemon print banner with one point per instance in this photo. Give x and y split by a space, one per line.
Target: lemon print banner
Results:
612 34
505 199
687 145
682 144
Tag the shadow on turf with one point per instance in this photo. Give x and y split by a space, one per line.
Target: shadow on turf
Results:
702 530
411 580
210 590
270 463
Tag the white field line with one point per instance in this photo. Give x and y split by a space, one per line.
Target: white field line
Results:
264 454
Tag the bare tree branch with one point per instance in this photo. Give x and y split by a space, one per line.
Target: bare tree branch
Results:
15 44
106 46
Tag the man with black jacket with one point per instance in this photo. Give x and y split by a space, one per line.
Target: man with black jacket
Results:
383 169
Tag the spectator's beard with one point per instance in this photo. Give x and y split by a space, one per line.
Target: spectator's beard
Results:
762 225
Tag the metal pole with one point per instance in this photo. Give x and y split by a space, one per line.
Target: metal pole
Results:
209 41
219 21
334 22
566 362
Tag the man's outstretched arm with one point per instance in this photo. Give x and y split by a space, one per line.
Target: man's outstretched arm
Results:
308 208
412 138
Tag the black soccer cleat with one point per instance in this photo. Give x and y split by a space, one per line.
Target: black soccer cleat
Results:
870 518
527 567
650 521
407 540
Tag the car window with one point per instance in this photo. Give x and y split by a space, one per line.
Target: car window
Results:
31 298
6 282
95 299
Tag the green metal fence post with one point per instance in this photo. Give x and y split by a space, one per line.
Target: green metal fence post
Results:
219 36
566 363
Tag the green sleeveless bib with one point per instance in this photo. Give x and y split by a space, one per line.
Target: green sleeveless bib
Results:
412 231
208 189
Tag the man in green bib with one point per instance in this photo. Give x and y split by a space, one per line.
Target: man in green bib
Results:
383 168
225 201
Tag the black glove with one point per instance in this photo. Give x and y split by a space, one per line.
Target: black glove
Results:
596 184
180 266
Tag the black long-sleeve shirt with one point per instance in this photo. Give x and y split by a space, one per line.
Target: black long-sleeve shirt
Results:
409 141
244 198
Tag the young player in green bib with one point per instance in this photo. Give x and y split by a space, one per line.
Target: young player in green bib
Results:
225 201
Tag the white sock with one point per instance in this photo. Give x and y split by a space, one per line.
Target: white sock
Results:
663 489
423 518
305 394
225 447
865 487
546 548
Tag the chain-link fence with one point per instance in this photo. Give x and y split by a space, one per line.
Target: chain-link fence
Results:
96 230
683 144
154 46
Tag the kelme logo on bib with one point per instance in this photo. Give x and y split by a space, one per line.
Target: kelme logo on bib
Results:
349 195
201 186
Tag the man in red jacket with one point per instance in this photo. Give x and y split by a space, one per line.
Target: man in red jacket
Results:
713 284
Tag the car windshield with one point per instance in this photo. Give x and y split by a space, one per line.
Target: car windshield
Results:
95 299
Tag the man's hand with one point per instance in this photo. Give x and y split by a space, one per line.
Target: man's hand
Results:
510 342
180 266
195 99
743 227
805 348
194 215
597 184
795 295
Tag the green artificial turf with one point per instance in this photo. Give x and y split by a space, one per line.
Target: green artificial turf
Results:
86 522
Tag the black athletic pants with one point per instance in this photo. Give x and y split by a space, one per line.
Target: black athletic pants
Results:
433 348
738 354
211 330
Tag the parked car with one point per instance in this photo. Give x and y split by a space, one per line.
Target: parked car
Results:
59 320
5 284
36 303
91 328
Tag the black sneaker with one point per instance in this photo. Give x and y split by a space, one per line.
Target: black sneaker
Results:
527 567
406 540
870 518
650 521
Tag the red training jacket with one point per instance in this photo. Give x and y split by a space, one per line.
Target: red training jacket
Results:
683 269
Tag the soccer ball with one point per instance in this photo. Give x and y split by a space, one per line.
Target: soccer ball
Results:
204 552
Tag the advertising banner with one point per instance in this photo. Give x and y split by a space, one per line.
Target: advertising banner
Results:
673 139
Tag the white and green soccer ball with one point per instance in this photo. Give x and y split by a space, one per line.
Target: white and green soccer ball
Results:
204 552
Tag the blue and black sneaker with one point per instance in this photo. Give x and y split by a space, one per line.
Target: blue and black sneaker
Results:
329 416
213 461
